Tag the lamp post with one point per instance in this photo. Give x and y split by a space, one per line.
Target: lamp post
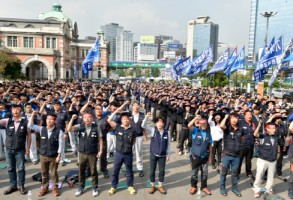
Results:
267 15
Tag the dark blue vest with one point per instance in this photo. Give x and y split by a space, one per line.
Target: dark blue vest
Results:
16 139
137 126
159 144
232 142
267 150
199 146
49 146
124 139
88 144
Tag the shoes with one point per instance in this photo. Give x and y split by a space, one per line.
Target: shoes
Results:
214 167
206 191
35 162
74 154
251 176
271 192
131 190
180 153
140 173
152 190
112 191
95 192
106 174
162 190
43 191
290 194
22 190
55 192
193 190
257 194
236 192
223 191
10 190
79 192
282 178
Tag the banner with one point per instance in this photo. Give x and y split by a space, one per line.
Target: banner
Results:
266 50
92 56
271 58
278 68
221 63
181 65
200 63
237 64
174 76
230 61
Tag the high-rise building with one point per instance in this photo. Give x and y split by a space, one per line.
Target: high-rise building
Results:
124 46
146 52
201 34
111 31
279 25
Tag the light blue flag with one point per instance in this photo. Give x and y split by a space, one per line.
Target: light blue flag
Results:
271 58
221 63
180 66
231 60
237 64
75 71
174 76
92 56
279 67
200 63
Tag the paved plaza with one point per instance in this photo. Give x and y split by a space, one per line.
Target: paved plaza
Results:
177 182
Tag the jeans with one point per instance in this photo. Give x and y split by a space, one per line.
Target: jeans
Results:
247 153
119 159
15 159
153 165
226 162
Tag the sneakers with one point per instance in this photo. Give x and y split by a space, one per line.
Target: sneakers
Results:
223 191
79 192
257 194
282 178
193 190
162 190
251 176
236 192
290 194
180 153
152 190
106 174
112 191
206 191
131 190
95 192
140 173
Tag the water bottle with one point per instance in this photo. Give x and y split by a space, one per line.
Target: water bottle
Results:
29 195
198 194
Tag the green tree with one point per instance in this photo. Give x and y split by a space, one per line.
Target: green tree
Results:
138 72
155 72
147 73
10 67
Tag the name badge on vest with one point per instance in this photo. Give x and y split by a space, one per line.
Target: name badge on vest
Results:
11 127
82 133
165 137
268 144
21 127
120 133
43 137
244 127
94 135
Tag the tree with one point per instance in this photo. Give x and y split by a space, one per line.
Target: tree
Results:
10 67
155 72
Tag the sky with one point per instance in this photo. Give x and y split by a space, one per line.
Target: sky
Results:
143 17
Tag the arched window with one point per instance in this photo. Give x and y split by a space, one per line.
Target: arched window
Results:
29 26
11 25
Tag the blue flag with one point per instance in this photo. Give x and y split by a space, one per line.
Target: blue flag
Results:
92 56
221 63
200 63
271 58
75 71
231 60
266 50
237 64
174 76
181 65
278 69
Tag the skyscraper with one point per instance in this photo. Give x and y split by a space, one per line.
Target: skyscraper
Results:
111 32
279 24
201 34
124 46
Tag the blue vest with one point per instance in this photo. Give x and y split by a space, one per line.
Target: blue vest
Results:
137 126
124 139
16 139
232 142
267 150
159 144
199 146
88 144
49 146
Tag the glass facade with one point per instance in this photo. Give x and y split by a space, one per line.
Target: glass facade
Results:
280 24
205 35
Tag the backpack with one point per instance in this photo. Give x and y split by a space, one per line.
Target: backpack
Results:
268 196
37 177
71 177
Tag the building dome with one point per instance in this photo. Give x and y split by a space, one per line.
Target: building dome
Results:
56 14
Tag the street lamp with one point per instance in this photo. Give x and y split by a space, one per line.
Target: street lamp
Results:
267 15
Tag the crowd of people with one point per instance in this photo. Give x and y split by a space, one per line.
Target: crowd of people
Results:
213 126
